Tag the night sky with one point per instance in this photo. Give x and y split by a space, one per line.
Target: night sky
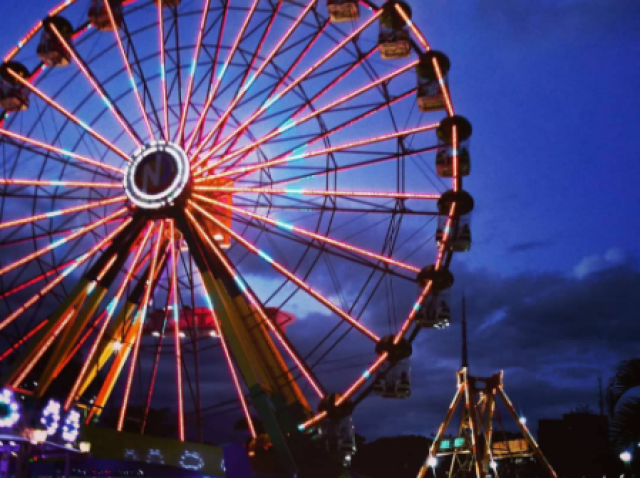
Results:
552 281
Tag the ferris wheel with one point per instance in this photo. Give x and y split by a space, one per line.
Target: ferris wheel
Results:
271 185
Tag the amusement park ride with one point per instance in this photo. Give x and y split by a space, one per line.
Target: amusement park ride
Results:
474 449
176 176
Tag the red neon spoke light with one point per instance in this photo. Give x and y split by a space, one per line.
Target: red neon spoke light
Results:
60 242
61 152
310 154
194 66
70 116
139 321
273 98
110 312
258 308
98 89
64 184
317 112
313 235
247 85
61 212
127 65
283 270
221 74
61 277
176 327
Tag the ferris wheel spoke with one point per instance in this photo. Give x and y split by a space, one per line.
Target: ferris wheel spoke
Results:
77 263
219 126
273 97
243 87
48 234
127 65
225 348
110 312
316 138
285 76
163 74
59 151
321 152
194 65
82 231
319 237
64 184
61 212
176 327
257 306
221 74
140 319
293 123
22 340
84 68
70 116
284 271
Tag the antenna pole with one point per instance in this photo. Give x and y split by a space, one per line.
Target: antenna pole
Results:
465 354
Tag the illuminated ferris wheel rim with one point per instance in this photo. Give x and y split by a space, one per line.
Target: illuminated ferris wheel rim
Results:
203 184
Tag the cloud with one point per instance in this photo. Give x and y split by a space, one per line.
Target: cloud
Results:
552 334
528 246
599 262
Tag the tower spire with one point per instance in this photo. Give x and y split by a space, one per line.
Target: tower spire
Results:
465 354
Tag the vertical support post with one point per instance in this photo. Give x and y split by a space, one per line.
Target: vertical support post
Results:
473 420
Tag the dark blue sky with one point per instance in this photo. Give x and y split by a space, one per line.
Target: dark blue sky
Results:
552 280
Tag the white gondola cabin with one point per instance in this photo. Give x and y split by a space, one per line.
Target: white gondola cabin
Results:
459 235
393 381
343 10
433 66
393 39
435 313
13 95
50 50
452 157
99 15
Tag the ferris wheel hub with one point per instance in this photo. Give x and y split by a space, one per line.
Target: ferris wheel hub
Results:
157 176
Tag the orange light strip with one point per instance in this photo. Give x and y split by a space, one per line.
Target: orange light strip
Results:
313 235
417 33
258 308
61 212
60 242
176 328
61 152
140 318
111 308
223 341
443 87
365 376
284 271
70 116
45 290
